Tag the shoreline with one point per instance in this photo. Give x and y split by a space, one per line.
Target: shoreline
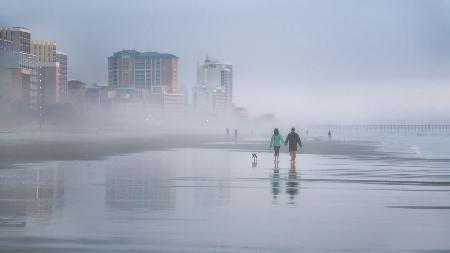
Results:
22 149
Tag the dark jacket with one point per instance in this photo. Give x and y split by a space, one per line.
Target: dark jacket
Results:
293 140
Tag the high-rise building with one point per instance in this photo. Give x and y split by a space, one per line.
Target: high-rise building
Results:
61 58
213 92
48 81
18 81
18 73
45 51
220 102
6 46
77 94
174 104
20 37
143 73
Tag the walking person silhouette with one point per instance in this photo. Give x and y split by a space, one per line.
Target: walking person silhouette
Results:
276 142
293 139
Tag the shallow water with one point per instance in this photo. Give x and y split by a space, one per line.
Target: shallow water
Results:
197 200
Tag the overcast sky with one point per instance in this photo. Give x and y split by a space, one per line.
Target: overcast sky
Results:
319 61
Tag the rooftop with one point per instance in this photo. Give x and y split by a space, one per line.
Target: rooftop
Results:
16 28
147 54
61 52
76 84
209 62
43 42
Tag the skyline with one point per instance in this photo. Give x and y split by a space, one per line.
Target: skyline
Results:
388 54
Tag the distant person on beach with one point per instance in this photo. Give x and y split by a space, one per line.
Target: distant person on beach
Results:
329 136
228 131
235 133
276 142
293 139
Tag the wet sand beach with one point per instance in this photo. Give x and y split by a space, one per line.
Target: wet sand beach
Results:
97 145
205 194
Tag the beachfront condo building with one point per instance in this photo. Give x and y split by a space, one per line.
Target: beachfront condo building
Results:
48 81
77 94
148 72
18 69
6 46
61 58
20 37
213 92
32 73
18 81
46 52
146 78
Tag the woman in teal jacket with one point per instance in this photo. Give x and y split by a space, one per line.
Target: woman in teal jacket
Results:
276 142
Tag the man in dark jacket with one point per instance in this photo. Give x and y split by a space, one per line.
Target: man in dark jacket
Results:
293 139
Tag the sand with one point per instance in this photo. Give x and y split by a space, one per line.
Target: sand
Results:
215 200
63 146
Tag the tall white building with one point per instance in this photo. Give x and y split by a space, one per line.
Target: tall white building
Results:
213 92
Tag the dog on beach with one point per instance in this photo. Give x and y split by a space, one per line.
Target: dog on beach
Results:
255 157
255 160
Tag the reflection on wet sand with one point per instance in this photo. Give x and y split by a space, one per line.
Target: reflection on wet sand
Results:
276 183
139 185
214 189
196 200
292 183
30 196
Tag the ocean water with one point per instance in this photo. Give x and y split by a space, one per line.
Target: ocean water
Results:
212 200
405 157
409 145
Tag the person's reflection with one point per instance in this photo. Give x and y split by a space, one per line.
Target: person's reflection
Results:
275 183
276 164
292 183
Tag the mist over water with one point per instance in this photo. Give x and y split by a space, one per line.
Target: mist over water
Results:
402 103
365 84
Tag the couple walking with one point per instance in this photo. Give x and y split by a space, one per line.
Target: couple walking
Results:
293 139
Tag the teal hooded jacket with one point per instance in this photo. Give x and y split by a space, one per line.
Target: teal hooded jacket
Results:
276 140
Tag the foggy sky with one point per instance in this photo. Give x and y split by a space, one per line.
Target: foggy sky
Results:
322 61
